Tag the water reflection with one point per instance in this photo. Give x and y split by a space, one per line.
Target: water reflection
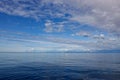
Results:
59 66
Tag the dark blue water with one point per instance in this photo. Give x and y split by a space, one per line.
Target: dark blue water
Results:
59 66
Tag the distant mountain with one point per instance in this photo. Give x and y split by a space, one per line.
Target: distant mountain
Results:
107 51
78 51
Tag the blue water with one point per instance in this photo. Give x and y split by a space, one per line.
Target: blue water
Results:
59 66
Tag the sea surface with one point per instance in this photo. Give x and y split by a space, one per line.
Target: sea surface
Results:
59 66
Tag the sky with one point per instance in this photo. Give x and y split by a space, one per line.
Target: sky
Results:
59 25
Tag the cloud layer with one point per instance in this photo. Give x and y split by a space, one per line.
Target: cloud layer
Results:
103 14
73 16
58 43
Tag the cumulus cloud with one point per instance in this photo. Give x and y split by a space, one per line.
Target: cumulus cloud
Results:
53 27
100 36
82 33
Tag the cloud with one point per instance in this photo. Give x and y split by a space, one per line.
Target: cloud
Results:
34 8
82 33
103 14
100 36
59 43
53 27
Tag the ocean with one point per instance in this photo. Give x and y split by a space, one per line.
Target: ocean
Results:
59 66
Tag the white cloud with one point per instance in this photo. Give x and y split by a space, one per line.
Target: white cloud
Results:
82 33
103 14
53 27
100 36
59 43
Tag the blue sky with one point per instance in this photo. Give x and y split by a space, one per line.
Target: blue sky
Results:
59 25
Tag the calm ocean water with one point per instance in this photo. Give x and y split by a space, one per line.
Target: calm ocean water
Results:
59 66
